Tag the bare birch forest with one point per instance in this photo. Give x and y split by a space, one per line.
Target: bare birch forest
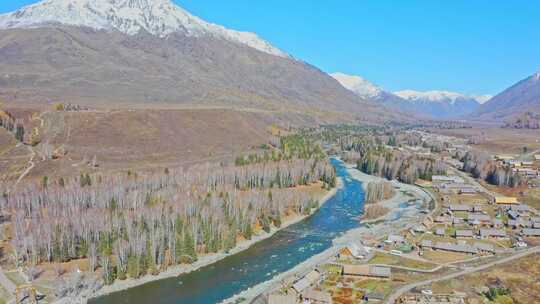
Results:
378 191
131 224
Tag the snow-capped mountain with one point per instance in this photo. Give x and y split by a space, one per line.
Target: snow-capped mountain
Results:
437 96
436 104
482 99
152 52
442 104
358 85
157 17
367 90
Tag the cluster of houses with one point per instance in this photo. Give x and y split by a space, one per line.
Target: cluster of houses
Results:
358 251
70 107
355 250
367 271
467 222
454 298
472 222
525 218
519 216
459 247
452 185
303 291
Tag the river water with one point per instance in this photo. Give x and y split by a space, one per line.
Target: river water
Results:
265 259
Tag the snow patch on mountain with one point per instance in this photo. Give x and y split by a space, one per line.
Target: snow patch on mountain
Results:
483 98
157 17
358 85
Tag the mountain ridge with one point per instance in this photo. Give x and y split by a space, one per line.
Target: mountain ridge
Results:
110 69
434 104
357 84
157 17
436 96
522 97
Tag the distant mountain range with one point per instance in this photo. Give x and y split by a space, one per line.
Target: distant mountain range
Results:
433 104
149 52
521 98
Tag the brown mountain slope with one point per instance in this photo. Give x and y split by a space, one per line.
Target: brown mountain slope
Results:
522 97
147 138
80 65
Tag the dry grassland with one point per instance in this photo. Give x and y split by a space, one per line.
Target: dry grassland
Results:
521 276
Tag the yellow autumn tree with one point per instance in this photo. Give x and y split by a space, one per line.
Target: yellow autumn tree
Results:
59 106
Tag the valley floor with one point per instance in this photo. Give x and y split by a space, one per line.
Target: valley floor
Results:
442 273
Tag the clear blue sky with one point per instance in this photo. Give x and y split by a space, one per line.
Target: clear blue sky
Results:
469 46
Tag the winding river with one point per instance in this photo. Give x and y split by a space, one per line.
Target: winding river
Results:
265 259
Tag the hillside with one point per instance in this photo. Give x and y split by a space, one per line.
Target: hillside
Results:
520 98
526 120
168 59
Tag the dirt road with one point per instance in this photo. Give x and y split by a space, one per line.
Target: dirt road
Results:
31 166
399 292
7 284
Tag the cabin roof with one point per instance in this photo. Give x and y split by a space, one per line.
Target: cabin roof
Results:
367 270
530 231
492 232
281 299
318 296
465 233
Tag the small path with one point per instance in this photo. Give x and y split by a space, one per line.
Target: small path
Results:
30 167
435 269
404 289
7 284
531 154
31 162
469 179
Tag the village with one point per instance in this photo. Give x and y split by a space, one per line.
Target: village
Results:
449 149
470 229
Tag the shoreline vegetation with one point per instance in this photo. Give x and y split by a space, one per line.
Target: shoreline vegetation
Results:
377 192
208 259
400 218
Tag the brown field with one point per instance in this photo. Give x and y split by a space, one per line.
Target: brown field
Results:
468 199
7 141
348 290
141 139
388 259
439 256
531 197
13 159
498 140
521 276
